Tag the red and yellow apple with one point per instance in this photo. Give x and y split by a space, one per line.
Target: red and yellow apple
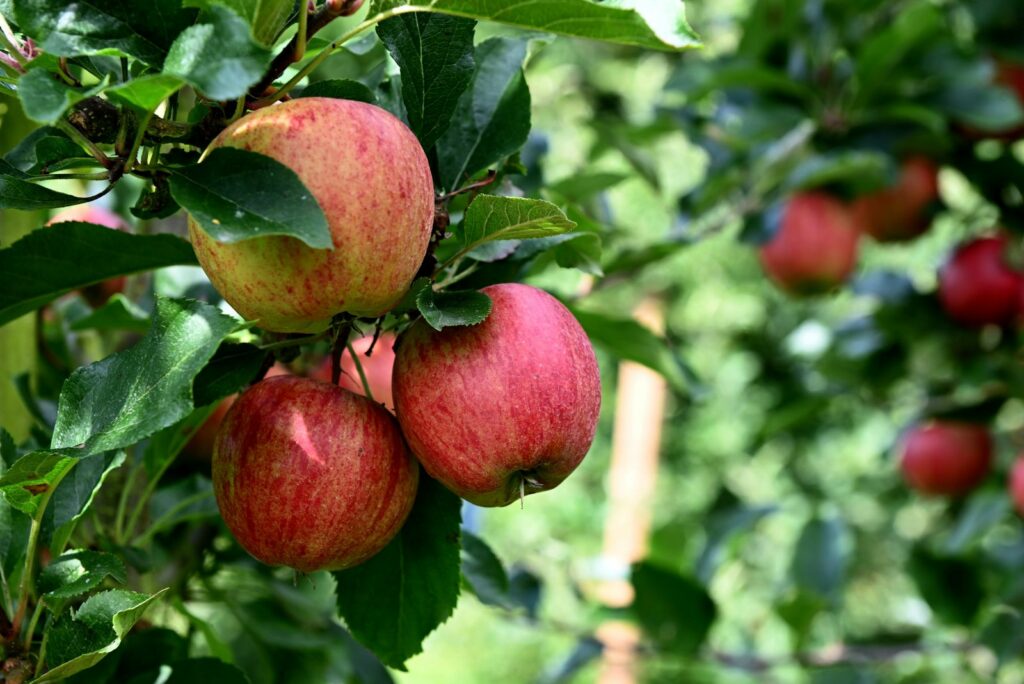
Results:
503 407
311 476
901 211
978 286
377 367
1015 484
946 458
370 176
815 248
97 294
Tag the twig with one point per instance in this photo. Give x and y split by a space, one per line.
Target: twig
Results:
492 175
79 138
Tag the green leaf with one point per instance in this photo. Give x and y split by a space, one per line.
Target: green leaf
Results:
80 639
584 186
73 496
108 27
46 98
821 557
203 671
627 339
984 510
656 24
189 499
76 573
446 309
42 150
239 195
492 118
219 57
491 218
134 393
266 18
18 192
119 313
435 55
483 571
230 370
581 252
394 600
146 92
856 170
934 574
14 525
52 261
33 475
340 89
721 527
675 611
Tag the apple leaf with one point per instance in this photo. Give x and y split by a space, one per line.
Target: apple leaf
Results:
655 24
119 313
483 571
238 195
134 393
458 307
394 600
52 261
492 118
73 496
265 17
104 27
146 92
17 191
79 639
674 610
435 55
218 56
230 370
76 573
340 89
45 97
44 148
491 218
33 475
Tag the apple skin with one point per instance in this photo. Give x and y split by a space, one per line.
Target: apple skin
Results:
815 248
98 293
310 476
1015 484
510 402
946 458
372 180
378 368
900 212
977 286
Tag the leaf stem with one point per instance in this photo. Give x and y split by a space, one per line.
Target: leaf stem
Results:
300 38
295 342
138 142
89 145
32 625
122 504
327 51
457 277
359 370
173 511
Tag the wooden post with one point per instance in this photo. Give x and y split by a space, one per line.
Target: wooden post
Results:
17 338
636 442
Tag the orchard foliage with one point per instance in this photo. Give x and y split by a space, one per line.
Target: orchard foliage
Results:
787 542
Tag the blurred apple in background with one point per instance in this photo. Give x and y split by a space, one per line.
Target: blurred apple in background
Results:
97 294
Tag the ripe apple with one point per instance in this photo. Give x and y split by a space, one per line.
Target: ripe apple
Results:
946 458
98 293
1016 484
311 476
901 211
377 366
505 406
371 178
815 248
977 286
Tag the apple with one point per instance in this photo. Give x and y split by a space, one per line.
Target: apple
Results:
815 248
98 293
371 178
377 366
1016 484
503 407
901 211
978 286
946 458
311 476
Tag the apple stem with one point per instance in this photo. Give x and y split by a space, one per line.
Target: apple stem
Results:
338 343
522 492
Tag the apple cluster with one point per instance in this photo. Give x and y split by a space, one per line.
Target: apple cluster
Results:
313 475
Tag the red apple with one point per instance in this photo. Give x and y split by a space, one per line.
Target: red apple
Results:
98 293
946 458
311 476
1016 484
900 212
371 178
377 366
978 286
509 404
815 248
